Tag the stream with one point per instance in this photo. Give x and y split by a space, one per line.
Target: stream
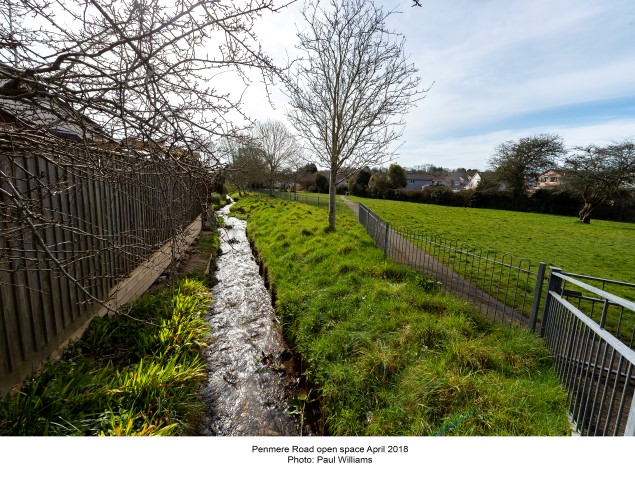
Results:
249 366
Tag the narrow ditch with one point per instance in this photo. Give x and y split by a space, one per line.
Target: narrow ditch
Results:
253 384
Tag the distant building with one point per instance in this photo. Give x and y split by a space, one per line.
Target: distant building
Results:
549 178
26 102
473 181
476 179
417 181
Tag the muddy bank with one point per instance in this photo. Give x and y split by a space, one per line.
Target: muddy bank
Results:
251 373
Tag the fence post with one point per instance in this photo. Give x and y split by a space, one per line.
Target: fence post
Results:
629 431
554 285
386 239
540 277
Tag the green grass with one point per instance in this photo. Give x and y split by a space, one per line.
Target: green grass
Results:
601 249
218 201
123 377
386 352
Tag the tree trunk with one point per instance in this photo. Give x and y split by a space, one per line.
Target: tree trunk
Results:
332 181
585 213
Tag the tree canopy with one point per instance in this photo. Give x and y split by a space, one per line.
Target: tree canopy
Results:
596 174
397 176
517 162
279 147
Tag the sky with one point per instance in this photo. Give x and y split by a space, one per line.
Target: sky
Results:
497 70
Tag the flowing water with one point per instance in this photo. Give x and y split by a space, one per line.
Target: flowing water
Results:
249 365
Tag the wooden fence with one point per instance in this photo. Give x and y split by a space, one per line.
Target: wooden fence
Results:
80 228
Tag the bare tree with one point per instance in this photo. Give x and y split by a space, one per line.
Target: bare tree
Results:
596 174
351 88
125 77
109 111
298 170
245 163
279 147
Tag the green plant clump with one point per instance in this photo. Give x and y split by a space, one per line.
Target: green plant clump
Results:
124 376
387 352
218 201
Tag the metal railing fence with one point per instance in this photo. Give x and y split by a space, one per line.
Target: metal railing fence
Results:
316 200
609 315
596 367
501 289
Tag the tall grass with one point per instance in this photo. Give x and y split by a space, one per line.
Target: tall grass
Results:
387 353
124 376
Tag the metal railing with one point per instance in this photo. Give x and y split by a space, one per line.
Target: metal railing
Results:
499 288
596 367
315 200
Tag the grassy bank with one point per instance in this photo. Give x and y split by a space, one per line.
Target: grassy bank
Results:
387 352
125 376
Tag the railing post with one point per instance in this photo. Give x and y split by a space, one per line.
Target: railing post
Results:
605 311
554 285
535 306
386 239
629 431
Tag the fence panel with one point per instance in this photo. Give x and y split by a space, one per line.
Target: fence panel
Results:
596 367
75 220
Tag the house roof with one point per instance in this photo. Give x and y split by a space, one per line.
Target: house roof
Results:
418 176
27 102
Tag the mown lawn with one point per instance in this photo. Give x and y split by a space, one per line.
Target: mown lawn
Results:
601 249
386 352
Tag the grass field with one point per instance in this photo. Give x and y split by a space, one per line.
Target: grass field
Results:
601 249
386 352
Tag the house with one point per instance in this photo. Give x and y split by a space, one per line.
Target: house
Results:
473 181
26 102
450 180
476 179
549 178
417 181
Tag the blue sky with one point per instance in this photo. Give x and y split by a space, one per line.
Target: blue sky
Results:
500 70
